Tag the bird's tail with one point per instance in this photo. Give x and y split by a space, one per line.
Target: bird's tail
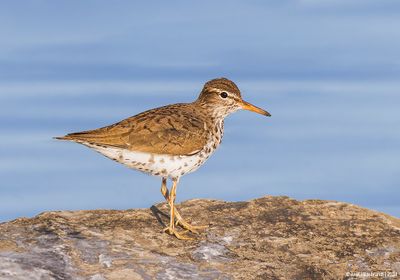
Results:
61 137
85 136
71 137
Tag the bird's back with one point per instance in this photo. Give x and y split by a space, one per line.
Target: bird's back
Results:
177 129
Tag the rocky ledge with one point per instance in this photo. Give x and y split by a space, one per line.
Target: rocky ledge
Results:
266 238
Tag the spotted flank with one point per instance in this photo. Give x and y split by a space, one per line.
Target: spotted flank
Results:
172 166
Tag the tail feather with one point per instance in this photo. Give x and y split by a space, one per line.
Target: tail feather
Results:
61 137
97 136
86 136
74 136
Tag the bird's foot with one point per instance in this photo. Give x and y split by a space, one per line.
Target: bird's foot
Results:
189 227
179 235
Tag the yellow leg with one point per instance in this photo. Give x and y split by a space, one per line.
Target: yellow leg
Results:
179 220
171 201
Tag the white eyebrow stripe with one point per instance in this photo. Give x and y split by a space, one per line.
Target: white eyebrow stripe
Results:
221 90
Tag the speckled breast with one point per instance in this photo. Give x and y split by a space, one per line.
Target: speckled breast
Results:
163 165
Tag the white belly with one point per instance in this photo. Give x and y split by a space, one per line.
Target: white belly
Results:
155 164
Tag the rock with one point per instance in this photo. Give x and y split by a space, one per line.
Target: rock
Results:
266 238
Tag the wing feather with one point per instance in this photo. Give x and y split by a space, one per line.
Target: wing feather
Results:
173 129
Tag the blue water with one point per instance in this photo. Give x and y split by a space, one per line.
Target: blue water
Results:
328 73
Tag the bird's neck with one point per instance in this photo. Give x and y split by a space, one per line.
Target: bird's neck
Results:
213 121
216 113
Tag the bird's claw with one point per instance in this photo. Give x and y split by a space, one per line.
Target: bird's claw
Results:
189 227
179 235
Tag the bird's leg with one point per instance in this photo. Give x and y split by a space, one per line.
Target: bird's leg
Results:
171 201
164 189
179 220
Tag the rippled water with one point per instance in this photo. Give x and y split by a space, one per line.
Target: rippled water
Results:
328 71
335 140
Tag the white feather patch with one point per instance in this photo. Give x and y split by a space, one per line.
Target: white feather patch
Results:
156 164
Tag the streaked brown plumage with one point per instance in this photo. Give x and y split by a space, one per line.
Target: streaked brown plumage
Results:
174 130
170 141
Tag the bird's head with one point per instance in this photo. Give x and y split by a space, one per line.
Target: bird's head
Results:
223 97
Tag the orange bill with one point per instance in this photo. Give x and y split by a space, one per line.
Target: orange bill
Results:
247 106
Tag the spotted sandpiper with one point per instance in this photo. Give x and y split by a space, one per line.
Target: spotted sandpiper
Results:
170 141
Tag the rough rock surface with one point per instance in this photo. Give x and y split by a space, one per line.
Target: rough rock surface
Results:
266 238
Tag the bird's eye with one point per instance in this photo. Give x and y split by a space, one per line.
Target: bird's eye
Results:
224 94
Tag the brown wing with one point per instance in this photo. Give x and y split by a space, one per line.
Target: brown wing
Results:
172 129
